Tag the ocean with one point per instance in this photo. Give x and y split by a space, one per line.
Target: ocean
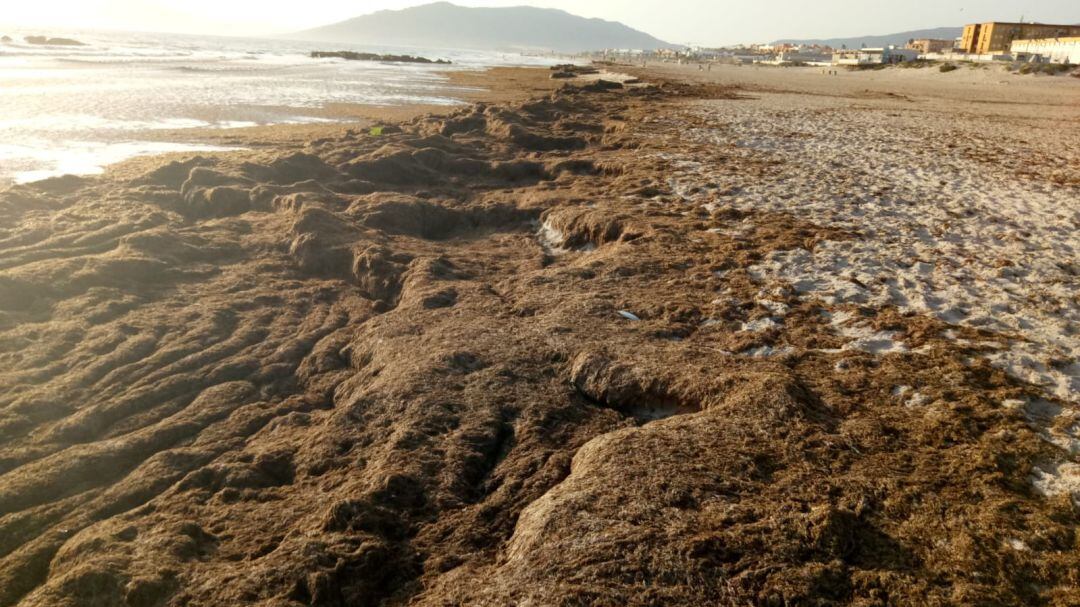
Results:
77 109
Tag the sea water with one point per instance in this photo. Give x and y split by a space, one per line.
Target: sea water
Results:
77 109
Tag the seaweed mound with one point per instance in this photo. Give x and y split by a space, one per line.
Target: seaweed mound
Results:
492 358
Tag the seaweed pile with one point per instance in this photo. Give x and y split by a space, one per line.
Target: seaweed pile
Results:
490 358
569 70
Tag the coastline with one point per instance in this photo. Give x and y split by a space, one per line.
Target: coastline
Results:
723 336
492 85
137 96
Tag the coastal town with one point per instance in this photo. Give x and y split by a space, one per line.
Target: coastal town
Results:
992 42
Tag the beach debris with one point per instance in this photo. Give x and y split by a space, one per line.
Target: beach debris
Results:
364 290
569 70
601 86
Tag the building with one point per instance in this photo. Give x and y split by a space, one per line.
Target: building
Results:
809 57
1055 50
997 37
925 46
873 56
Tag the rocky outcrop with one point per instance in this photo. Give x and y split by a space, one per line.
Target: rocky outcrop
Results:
49 41
354 56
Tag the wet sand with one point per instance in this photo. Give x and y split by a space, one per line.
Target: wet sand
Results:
752 339
497 85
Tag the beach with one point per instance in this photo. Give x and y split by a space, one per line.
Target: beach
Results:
966 201
111 96
739 336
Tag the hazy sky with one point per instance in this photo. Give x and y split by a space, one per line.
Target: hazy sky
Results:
678 21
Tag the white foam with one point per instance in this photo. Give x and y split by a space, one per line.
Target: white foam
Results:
84 157
121 85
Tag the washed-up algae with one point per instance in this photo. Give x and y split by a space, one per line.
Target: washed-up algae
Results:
393 370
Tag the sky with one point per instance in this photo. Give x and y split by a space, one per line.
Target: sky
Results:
695 22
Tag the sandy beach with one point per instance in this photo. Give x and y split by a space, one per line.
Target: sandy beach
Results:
745 336
965 201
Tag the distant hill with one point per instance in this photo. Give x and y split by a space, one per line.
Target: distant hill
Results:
899 39
445 25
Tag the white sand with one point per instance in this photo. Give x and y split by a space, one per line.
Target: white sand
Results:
940 232
927 172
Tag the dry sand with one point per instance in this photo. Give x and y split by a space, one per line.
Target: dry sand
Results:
795 342
968 208
963 187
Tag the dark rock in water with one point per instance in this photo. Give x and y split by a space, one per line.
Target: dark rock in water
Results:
5 39
46 41
351 56
562 75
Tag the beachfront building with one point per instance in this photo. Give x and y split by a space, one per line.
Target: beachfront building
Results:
671 54
807 57
873 56
925 46
997 37
1054 50
709 54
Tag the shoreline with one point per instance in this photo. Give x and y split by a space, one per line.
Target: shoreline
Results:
743 340
32 158
492 85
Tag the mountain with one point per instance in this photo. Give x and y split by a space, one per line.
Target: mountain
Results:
899 39
446 25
